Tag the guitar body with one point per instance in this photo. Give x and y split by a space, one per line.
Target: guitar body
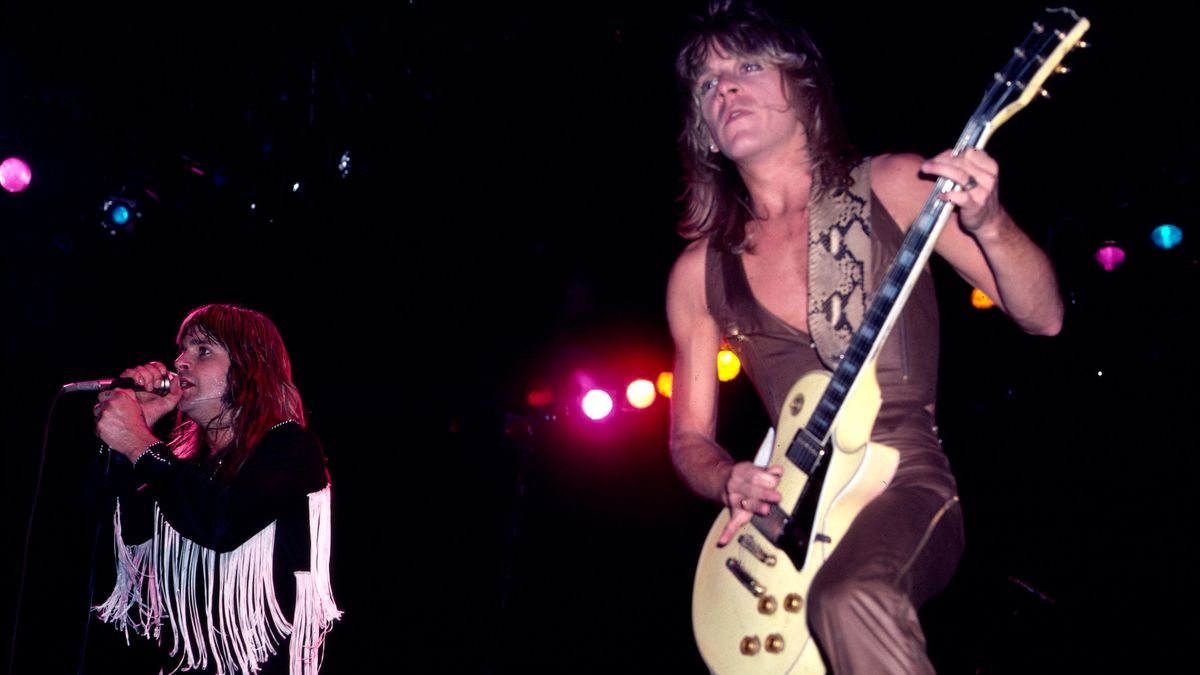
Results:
738 631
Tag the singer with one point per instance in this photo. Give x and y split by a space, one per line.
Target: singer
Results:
222 531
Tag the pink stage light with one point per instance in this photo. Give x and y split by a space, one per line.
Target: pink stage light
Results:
15 174
1110 256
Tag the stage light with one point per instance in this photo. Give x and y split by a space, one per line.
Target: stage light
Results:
980 300
193 166
120 214
1110 256
15 174
597 404
663 383
728 365
539 397
640 394
1166 236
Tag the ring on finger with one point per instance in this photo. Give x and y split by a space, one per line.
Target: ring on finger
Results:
970 184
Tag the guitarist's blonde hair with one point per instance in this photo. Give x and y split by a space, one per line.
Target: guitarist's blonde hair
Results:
715 197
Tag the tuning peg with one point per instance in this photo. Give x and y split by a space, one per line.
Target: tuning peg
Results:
1062 70
1044 93
1082 45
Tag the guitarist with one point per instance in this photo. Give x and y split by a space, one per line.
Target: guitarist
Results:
780 275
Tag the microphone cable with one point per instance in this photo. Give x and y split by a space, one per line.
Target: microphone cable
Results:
37 488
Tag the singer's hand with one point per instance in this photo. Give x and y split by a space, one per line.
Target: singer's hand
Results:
121 424
149 376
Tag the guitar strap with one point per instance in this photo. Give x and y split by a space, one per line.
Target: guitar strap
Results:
839 254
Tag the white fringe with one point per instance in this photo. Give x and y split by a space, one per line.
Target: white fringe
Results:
249 621
165 576
135 571
176 562
315 608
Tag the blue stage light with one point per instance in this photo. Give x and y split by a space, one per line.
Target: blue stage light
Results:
120 214
1166 236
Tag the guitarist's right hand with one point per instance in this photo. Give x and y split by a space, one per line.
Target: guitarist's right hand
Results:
750 489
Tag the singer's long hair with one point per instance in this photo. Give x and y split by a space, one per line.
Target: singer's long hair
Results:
259 389
716 201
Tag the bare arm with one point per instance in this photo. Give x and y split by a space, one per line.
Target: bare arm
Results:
702 464
706 467
981 241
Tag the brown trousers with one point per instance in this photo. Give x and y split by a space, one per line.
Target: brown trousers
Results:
900 551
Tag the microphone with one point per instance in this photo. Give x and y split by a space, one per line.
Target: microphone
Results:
163 388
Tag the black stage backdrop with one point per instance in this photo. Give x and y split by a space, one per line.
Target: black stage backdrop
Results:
506 218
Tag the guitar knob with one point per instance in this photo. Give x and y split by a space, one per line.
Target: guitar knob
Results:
793 602
767 604
774 643
750 645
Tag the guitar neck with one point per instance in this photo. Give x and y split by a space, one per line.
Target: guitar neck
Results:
886 306
1056 32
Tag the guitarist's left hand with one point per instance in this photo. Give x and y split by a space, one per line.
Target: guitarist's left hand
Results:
749 490
977 174
988 249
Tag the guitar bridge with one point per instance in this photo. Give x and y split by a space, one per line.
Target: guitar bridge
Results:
744 578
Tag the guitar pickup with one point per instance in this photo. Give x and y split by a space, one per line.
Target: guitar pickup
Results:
744 578
747 542
773 524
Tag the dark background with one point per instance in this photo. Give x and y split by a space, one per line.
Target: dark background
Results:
506 222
